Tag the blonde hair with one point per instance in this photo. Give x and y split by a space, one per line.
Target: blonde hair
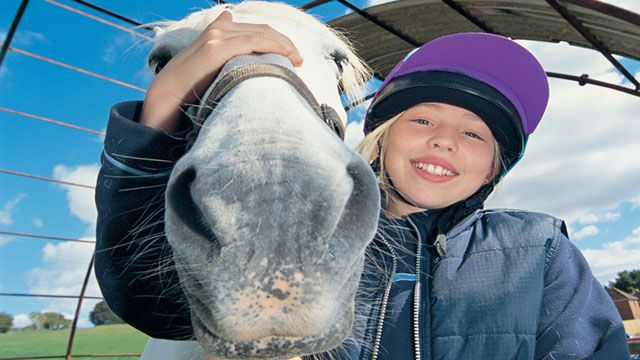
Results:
374 148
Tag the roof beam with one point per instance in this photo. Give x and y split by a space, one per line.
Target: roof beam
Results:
477 22
597 44
608 9
380 23
313 4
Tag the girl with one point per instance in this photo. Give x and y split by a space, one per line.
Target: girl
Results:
446 125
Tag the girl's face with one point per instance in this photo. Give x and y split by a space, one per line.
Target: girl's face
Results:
436 155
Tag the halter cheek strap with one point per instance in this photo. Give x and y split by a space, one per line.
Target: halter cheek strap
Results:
247 67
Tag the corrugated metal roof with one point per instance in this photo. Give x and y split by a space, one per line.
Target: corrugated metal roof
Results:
617 30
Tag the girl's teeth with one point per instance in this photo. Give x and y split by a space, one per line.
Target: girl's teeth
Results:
431 169
434 169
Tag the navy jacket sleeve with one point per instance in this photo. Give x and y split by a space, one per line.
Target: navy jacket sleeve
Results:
133 261
578 319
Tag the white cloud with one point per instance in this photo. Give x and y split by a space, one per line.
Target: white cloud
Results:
611 216
588 219
369 3
4 240
121 45
21 321
80 200
613 257
63 270
377 2
590 230
354 131
4 71
592 218
6 214
37 222
633 5
23 38
64 265
583 157
564 58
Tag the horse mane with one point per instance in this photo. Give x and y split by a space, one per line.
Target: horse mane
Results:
354 76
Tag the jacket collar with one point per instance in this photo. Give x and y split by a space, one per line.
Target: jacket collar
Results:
424 221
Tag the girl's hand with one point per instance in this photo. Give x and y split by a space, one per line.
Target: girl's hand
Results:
186 77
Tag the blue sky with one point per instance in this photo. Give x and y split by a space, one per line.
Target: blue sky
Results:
602 207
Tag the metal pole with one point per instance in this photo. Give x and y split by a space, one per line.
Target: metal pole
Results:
75 318
584 80
49 296
12 30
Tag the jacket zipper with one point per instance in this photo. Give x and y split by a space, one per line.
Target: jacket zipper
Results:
385 299
416 295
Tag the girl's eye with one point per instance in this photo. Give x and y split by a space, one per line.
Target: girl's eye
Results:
423 122
471 134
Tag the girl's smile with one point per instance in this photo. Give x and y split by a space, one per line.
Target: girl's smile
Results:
436 155
434 169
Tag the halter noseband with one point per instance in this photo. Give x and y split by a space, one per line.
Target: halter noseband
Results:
247 67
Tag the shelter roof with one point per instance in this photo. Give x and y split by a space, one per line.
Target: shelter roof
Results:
616 30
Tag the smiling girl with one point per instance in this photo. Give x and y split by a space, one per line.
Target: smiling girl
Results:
447 124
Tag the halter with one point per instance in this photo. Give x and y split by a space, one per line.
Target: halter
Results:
246 67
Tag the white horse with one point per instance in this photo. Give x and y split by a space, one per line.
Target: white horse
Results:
269 213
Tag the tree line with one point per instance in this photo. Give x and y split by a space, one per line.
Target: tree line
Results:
49 320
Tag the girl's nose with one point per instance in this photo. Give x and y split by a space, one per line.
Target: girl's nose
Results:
443 139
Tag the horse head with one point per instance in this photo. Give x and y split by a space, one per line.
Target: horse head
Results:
269 212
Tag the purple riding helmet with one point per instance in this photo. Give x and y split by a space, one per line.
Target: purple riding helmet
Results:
490 75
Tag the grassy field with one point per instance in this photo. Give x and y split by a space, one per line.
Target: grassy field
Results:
108 339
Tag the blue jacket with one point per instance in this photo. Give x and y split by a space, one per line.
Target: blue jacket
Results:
509 285
506 285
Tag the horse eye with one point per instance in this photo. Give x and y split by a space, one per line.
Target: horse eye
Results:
340 58
158 58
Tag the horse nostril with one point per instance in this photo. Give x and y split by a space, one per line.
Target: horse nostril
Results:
363 204
181 202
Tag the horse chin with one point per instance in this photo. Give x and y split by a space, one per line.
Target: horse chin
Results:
274 346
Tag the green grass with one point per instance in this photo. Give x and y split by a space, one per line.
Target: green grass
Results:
107 339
